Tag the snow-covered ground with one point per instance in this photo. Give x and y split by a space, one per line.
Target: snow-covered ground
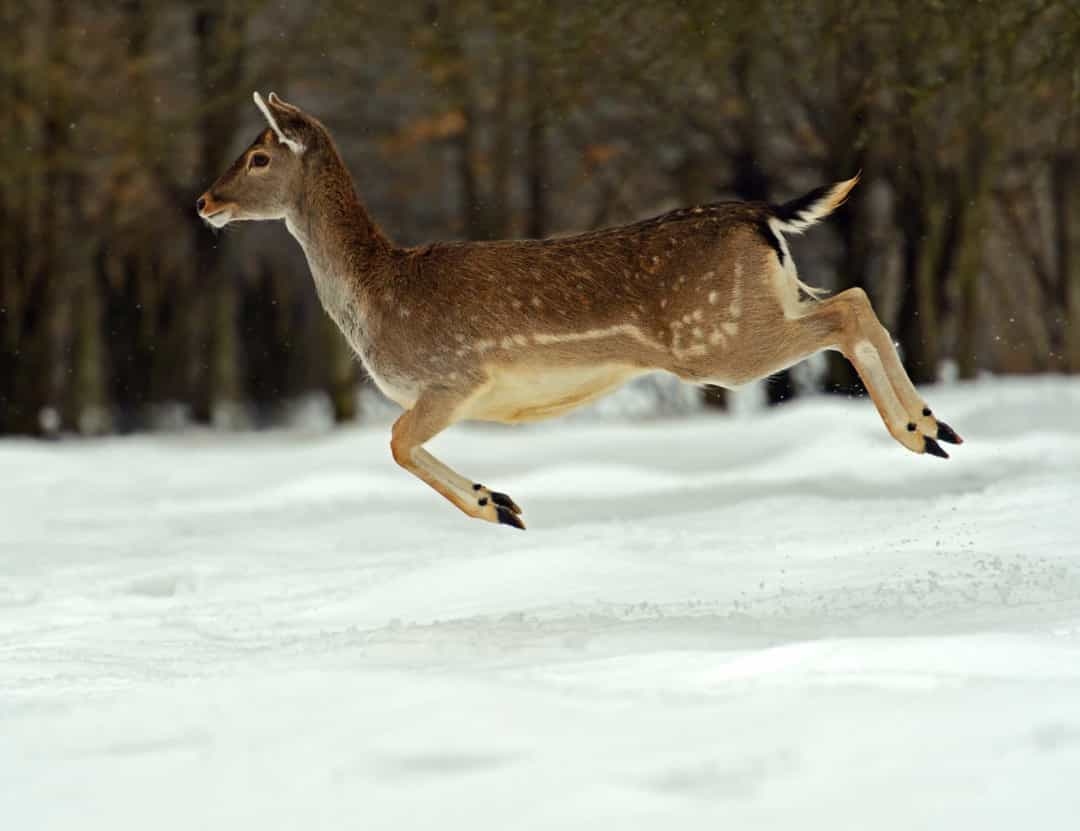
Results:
777 621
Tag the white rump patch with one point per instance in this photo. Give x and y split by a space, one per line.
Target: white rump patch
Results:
812 292
292 144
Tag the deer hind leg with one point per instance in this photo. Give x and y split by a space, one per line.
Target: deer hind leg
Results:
856 331
432 413
919 414
846 323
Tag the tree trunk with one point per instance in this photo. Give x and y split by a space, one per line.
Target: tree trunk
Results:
12 227
89 403
472 208
37 341
923 229
973 207
1065 199
500 219
536 148
219 35
968 276
343 371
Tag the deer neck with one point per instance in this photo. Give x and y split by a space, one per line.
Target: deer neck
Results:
345 250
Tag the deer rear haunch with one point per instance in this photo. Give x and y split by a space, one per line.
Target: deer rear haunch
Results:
521 330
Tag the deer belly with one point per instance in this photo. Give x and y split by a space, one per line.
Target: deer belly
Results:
533 394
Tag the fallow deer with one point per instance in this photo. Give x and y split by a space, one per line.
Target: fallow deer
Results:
521 330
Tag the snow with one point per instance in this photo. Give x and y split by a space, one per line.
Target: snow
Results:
774 620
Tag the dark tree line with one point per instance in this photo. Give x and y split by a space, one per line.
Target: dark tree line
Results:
491 118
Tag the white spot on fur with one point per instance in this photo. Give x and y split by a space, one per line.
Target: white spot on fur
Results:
537 302
663 302
714 296
715 338
507 343
484 345
697 333
735 309
521 340
625 329
517 304
591 334
730 328
698 315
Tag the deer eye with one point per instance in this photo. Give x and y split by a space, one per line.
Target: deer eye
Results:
259 160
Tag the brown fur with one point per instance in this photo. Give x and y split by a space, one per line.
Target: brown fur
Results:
527 329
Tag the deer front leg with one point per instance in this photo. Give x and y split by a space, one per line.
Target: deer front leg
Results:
432 413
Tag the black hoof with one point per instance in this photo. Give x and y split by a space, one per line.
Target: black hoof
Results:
508 517
947 433
505 501
934 449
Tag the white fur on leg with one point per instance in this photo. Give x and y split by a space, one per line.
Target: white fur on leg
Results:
870 363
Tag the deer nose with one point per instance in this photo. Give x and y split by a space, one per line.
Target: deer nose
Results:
200 204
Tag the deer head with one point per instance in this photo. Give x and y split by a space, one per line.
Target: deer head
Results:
266 178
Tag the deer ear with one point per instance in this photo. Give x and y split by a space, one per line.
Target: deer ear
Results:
278 104
285 120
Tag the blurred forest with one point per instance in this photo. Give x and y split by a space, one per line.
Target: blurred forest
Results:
120 310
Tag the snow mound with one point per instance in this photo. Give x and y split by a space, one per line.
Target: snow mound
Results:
775 620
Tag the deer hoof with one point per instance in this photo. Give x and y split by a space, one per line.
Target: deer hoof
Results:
508 517
505 501
948 434
934 449
496 498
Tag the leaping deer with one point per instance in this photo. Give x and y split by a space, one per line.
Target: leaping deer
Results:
521 330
